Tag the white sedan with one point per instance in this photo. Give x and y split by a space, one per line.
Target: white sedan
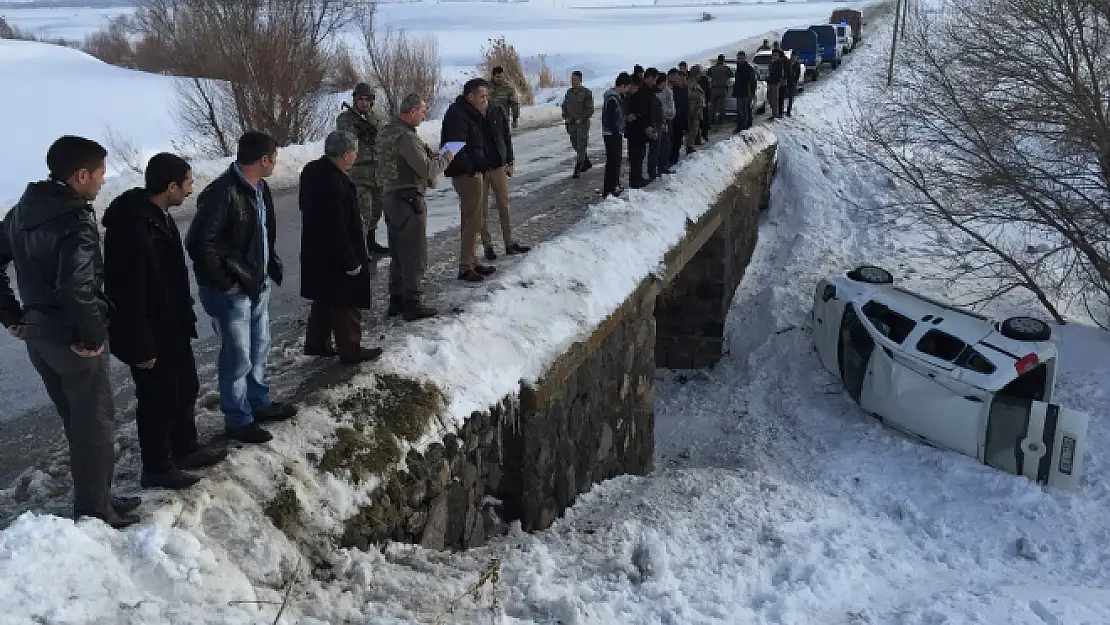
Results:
950 377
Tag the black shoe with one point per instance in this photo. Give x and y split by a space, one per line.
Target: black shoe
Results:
517 248
415 311
586 166
689 151
126 504
116 519
639 184
471 276
276 411
577 171
485 270
325 352
666 172
174 479
373 247
201 458
250 433
396 307
490 254
365 354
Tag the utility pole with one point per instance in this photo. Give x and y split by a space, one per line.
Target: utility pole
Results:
894 42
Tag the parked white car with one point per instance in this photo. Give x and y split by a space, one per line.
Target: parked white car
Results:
950 377
762 62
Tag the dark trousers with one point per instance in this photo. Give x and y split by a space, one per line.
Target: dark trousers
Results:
614 154
705 123
743 114
653 158
663 158
166 395
81 393
408 246
326 321
637 150
678 134
786 98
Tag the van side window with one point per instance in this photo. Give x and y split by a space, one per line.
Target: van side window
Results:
890 324
975 361
941 345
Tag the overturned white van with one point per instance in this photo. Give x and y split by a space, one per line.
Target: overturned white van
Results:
950 377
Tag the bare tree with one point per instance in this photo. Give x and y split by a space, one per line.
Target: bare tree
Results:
400 63
269 59
113 44
997 123
123 152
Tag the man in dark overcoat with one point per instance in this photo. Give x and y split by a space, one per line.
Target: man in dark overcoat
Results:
334 259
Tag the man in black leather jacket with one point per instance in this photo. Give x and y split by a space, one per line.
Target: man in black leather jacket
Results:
52 238
231 241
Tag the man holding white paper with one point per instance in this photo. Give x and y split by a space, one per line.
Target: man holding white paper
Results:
465 122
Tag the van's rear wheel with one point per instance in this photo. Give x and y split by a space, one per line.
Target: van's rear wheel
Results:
871 274
1025 329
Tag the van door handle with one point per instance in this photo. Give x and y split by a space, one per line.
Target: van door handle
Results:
973 398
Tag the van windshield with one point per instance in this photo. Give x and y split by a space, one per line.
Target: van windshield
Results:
826 35
797 40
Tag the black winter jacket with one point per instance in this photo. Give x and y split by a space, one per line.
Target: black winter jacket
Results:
775 73
332 240
146 278
225 241
499 149
793 72
463 122
52 238
746 80
640 105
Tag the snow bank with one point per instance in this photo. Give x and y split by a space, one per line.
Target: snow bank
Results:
560 292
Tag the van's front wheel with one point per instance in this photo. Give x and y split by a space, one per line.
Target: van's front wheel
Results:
1025 329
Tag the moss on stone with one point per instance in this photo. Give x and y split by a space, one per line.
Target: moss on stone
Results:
284 509
356 455
403 405
392 410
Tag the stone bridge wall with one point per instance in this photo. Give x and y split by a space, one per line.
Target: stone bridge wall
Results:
590 418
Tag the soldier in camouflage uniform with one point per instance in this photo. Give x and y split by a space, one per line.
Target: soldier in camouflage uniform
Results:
361 121
578 108
504 95
696 98
406 168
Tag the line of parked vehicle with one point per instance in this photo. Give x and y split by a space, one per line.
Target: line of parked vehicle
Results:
816 46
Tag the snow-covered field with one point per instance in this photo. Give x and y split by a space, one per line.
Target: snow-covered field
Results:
56 91
775 500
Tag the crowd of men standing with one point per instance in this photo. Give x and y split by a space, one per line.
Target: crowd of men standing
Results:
82 299
659 113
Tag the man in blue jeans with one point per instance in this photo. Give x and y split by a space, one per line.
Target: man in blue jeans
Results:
231 242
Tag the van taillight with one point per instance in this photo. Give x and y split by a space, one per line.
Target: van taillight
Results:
1023 365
